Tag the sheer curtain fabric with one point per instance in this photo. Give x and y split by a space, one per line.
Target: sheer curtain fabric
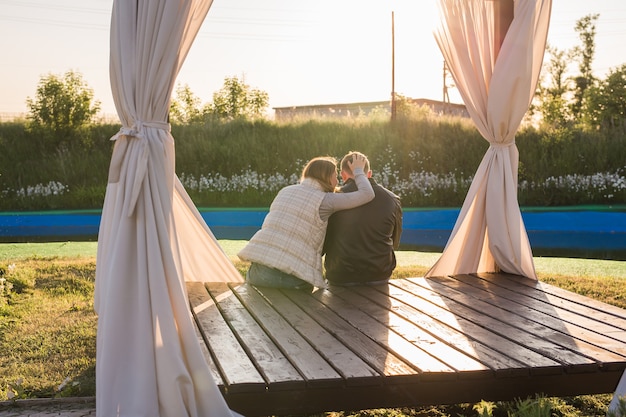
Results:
489 234
151 238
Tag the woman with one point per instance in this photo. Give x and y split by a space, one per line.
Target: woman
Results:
287 251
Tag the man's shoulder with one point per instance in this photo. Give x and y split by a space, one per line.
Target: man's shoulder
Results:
388 192
350 187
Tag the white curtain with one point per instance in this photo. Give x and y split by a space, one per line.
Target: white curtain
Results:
152 238
489 234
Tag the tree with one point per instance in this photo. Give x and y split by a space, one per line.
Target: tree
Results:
407 109
186 107
605 104
560 97
62 104
552 95
586 29
236 99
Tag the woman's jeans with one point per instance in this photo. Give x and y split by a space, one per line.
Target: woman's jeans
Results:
264 276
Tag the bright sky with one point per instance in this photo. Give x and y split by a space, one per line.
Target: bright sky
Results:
300 52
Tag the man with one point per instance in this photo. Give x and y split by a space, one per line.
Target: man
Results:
360 242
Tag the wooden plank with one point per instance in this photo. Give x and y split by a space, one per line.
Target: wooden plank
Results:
510 325
267 357
311 365
363 343
207 357
416 321
567 299
237 371
581 315
351 367
431 304
611 318
342 321
374 301
579 333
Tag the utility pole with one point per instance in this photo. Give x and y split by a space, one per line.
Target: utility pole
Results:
446 96
393 70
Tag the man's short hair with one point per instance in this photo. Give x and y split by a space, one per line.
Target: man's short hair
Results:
348 158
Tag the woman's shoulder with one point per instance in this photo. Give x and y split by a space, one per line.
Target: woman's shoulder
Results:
303 188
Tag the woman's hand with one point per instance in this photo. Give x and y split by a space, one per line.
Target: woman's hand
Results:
358 161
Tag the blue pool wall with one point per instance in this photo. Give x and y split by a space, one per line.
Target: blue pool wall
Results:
595 232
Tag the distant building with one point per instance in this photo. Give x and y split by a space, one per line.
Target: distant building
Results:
363 109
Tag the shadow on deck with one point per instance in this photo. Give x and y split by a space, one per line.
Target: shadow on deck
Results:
416 341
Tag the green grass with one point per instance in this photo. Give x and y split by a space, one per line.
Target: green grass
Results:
575 267
19 251
48 326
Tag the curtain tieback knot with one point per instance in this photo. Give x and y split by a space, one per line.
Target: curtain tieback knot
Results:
137 130
502 145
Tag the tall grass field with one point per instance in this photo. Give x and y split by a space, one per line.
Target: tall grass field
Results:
428 160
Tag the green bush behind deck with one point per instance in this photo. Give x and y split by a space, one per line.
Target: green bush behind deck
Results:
442 153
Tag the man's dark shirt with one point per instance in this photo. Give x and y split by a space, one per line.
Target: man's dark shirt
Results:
360 242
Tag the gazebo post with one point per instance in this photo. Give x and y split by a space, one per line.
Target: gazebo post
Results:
503 16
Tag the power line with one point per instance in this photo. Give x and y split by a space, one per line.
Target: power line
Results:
103 27
59 7
65 24
215 19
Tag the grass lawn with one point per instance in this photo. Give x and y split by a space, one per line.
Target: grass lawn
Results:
593 268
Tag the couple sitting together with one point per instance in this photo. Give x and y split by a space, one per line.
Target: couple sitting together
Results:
355 227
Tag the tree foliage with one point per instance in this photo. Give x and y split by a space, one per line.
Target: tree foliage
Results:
553 90
586 29
582 101
62 104
605 104
186 107
234 100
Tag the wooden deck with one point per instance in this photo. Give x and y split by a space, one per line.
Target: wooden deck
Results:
413 342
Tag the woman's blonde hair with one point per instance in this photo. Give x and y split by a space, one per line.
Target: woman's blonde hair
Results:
321 169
